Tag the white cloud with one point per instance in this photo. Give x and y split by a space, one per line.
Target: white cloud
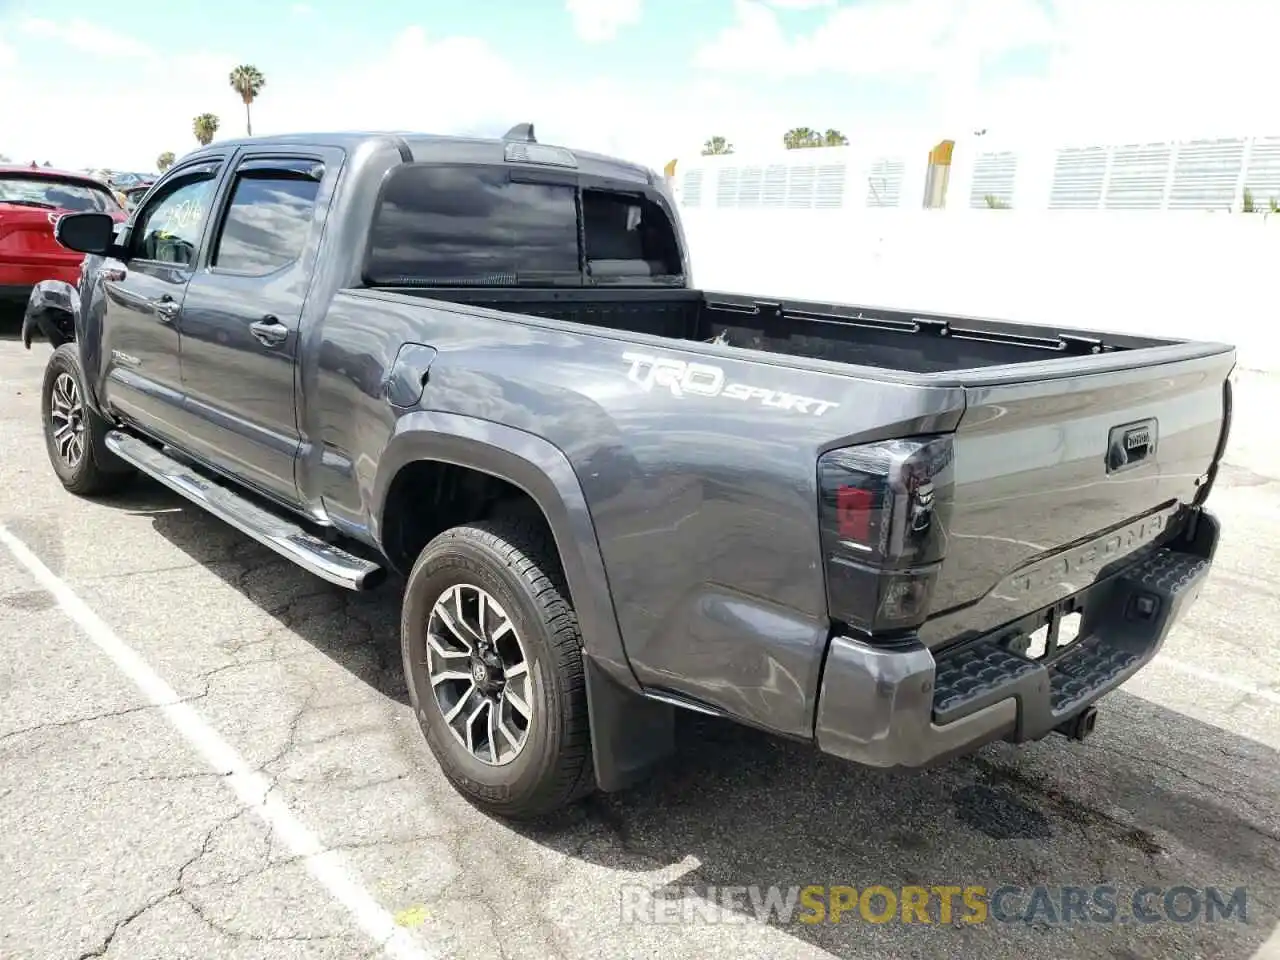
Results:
595 21
1123 68
124 115
86 37
487 95
878 37
800 4
1114 67
417 82
301 10
1138 68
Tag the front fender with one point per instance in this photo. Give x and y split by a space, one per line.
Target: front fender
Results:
629 733
53 310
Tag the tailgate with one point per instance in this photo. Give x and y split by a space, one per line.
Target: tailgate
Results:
26 236
1059 478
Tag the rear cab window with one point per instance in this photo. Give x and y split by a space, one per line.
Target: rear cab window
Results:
627 237
472 226
458 226
56 193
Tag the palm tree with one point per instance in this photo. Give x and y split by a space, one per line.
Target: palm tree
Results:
165 160
798 137
834 138
247 81
716 146
204 127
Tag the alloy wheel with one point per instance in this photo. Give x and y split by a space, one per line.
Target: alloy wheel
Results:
68 427
479 674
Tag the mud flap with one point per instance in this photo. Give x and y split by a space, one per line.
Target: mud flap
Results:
630 734
50 311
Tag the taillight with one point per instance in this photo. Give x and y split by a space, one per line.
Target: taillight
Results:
885 508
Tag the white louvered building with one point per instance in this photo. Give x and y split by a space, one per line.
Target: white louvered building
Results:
822 178
1203 174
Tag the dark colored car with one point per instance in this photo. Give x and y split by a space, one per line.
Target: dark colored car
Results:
133 195
31 201
484 364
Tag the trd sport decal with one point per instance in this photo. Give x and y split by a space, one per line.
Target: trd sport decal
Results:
685 379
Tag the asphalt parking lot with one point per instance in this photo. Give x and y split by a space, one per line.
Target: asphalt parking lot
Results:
287 806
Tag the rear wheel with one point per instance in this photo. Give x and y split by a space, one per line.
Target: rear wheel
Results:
493 660
74 434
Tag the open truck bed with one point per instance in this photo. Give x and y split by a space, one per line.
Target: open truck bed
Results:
893 341
1045 456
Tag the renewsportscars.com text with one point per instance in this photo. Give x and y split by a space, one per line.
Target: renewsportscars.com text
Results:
940 904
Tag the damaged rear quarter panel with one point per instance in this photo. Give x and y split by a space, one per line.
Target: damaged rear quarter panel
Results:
699 469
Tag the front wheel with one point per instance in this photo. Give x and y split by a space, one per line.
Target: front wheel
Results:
74 434
493 661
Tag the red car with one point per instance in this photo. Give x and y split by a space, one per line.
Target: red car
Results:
31 201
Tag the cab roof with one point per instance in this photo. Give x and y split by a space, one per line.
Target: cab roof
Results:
437 148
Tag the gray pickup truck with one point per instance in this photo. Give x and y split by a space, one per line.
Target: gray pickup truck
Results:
482 364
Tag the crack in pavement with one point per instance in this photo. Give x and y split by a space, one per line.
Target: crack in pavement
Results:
247 936
173 891
75 721
1214 789
128 574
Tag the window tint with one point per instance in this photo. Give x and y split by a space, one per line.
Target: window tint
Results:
627 236
458 226
267 223
168 230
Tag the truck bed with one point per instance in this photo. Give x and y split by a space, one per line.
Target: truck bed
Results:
1038 416
903 341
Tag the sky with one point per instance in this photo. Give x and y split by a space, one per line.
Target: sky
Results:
88 84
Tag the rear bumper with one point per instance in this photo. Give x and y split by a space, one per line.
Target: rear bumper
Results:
16 276
902 706
15 293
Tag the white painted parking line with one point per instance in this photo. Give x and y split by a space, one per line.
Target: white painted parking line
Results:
1231 683
251 788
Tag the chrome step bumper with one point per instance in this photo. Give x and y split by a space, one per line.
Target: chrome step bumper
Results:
905 705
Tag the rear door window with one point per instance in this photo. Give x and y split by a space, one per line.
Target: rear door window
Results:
472 226
268 221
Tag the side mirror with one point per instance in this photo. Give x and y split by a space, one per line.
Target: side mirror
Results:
86 232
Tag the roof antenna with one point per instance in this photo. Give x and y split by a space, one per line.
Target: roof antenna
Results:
521 131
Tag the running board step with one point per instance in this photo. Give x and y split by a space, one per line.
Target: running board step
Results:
274 532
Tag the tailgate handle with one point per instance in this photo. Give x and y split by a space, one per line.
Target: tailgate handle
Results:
1130 444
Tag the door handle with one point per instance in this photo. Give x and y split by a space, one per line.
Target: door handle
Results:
166 308
269 331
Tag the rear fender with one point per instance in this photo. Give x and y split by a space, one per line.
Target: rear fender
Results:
628 732
52 311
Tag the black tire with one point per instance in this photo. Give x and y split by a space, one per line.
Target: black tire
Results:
515 561
96 470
